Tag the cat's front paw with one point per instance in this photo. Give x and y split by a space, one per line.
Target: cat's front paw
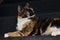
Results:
6 35
53 34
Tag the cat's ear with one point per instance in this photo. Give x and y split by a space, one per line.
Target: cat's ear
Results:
19 8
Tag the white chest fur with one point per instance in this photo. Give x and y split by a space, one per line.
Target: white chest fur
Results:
21 22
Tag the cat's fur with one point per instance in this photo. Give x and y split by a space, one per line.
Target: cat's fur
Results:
36 26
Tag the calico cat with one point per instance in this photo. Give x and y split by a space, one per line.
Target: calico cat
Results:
30 25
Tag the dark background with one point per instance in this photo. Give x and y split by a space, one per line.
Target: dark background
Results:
8 11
